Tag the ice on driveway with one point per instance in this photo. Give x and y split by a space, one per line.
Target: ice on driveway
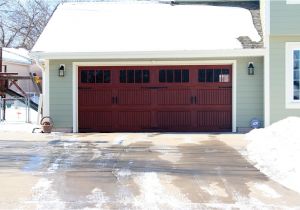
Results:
275 150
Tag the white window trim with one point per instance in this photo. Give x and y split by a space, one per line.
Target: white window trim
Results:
290 103
150 63
292 1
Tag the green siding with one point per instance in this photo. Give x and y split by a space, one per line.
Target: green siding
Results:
277 79
249 91
284 18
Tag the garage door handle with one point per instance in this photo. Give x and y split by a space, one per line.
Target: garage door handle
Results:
192 99
154 88
195 99
116 100
225 87
84 88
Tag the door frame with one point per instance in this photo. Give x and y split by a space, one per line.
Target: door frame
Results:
151 63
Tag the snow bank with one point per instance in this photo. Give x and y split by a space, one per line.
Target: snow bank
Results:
276 151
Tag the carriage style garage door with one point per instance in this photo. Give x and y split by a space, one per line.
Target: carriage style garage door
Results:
155 98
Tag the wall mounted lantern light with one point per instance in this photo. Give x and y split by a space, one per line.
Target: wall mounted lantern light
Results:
251 68
61 70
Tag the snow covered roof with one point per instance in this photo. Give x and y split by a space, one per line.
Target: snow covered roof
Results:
144 26
20 56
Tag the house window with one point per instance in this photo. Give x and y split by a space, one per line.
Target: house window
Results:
292 75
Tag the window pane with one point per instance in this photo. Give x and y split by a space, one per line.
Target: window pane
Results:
177 75
185 76
83 76
91 76
99 76
225 75
106 76
296 85
296 75
146 76
122 76
296 95
170 75
201 75
209 75
296 54
296 64
162 76
130 76
217 75
138 76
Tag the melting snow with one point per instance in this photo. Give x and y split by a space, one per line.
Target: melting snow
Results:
275 150
45 197
98 198
154 195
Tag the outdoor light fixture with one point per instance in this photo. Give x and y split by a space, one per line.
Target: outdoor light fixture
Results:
61 70
251 68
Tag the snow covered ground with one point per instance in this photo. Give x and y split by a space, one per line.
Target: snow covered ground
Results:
16 120
276 151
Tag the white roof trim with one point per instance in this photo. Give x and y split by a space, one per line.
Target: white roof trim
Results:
151 54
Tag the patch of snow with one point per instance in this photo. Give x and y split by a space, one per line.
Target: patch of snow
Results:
119 139
214 190
202 27
98 198
123 172
45 197
267 190
275 151
155 196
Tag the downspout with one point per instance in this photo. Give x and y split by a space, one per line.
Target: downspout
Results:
41 98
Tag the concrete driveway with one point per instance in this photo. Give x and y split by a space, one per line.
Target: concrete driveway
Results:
133 171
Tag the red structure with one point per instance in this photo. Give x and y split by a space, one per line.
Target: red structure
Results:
155 98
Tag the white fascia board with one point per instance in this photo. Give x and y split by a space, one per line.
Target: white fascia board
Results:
150 54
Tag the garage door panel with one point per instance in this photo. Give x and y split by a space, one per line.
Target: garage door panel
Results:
214 96
92 97
133 96
95 120
174 120
218 119
174 96
133 120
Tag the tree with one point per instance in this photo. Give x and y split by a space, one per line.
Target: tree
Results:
21 22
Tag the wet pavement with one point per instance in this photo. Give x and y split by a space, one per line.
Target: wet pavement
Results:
135 171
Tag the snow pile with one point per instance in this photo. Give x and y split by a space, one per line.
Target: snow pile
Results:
276 151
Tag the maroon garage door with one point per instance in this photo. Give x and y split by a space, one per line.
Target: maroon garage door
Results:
155 98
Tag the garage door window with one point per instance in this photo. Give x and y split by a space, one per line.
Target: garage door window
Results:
174 75
213 75
134 76
95 76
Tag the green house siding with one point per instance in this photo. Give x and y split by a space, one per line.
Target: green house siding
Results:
284 18
60 95
277 78
249 92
